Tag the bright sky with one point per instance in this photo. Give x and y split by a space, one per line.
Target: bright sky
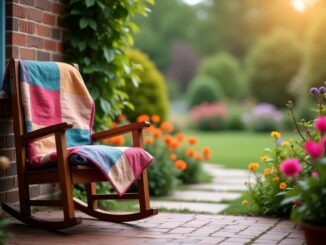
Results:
299 5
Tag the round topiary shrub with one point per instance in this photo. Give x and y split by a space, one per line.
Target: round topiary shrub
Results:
271 65
202 89
224 68
151 96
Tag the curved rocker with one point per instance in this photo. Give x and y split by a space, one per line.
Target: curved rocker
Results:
40 223
102 215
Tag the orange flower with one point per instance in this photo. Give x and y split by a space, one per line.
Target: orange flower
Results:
122 118
114 125
282 185
173 156
207 153
157 133
118 140
143 118
168 139
180 164
151 129
156 119
174 144
180 136
166 126
198 157
192 140
149 140
190 152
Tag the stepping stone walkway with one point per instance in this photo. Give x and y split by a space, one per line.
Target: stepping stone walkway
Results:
227 185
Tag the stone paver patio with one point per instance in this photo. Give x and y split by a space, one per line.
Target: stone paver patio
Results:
165 228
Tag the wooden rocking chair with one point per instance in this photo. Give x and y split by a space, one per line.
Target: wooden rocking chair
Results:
65 174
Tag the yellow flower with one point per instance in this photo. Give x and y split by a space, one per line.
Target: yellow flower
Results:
267 171
264 158
276 179
282 186
276 134
252 166
244 202
285 143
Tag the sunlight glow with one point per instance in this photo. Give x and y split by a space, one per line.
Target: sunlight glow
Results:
299 5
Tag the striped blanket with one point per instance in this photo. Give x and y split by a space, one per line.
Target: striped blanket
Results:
54 92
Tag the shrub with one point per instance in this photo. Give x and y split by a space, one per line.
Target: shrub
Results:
151 96
173 162
263 117
100 30
209 116
316 55
234 119
203 88
224 68
271 64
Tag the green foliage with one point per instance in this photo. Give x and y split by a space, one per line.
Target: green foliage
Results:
271 64
316 55
101 30
224 68
203 88
150 97
194 170
234 119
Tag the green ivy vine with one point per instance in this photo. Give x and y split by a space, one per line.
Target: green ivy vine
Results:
99 32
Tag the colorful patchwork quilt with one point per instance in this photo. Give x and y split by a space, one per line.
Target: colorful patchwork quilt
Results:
54 92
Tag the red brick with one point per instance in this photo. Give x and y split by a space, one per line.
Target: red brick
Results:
57 57
45 56
12 24
12 52
48 19
3 143
10 153
34 190
50 45
15 38
60 47
2 197
27 54
34 14
28 2
12 170
6 126
58 8
12 196
34 42
6 183
27 27
10 141
43 31
15 10
43 4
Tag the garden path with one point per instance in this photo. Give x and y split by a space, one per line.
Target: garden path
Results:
213 197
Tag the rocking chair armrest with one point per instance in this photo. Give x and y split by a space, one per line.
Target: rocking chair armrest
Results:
120 130
45 132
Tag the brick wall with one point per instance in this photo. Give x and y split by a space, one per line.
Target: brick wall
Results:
33 31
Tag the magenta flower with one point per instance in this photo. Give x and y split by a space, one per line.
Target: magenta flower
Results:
314 174
320 124
315 150
290 167
323 142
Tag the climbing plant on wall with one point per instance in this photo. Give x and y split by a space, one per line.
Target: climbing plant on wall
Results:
99 31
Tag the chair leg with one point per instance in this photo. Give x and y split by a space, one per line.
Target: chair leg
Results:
65 177
91 190
143 192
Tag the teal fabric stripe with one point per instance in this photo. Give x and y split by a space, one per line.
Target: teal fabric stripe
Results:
28 125
43 74
76 137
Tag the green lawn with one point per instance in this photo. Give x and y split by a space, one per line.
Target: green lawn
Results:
236 149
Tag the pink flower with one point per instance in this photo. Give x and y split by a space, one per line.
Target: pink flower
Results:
323 142
320 124
314 174
290 167
315 150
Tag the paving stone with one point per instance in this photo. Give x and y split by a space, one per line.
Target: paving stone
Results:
196 207
221 187
204 196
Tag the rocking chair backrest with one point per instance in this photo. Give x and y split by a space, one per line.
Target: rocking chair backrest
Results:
47 93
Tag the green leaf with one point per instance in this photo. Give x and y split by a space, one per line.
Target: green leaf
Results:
106 107
290 200
109 55
92 24
90 3
83 23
